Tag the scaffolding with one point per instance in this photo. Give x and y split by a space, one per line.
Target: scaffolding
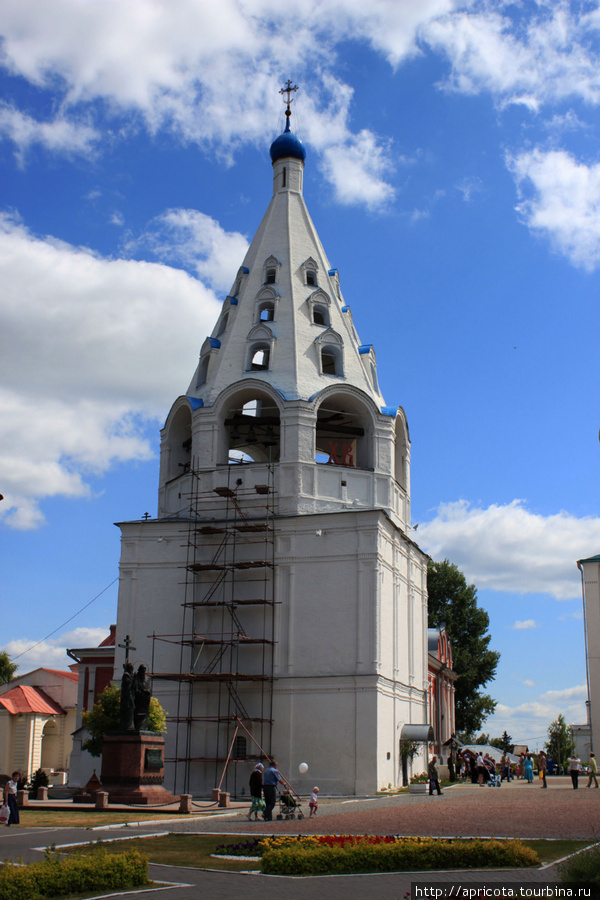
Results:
226 643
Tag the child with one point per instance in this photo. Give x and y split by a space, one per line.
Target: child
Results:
313 802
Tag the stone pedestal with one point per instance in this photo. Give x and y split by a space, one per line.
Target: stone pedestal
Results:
133 768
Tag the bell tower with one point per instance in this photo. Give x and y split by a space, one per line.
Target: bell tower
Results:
278 595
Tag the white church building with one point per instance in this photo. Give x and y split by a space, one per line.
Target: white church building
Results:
278 597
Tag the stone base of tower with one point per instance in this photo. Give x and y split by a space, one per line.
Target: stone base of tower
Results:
133 768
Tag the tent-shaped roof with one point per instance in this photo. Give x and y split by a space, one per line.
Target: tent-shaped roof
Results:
26 699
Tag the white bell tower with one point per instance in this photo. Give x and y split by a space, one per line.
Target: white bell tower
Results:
278 596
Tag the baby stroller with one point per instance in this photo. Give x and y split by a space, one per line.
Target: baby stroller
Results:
289 806
495 780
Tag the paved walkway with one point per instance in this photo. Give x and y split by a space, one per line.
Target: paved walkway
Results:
514 810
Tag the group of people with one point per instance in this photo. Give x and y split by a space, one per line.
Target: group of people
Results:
576 769
263 791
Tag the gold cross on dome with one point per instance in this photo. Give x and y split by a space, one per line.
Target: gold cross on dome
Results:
289 90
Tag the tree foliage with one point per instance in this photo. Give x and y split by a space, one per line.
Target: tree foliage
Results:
105 717
453 603
7 668
560 744
504 743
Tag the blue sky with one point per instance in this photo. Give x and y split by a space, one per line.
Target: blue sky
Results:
453 175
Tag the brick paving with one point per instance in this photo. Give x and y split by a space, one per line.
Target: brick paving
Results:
516 809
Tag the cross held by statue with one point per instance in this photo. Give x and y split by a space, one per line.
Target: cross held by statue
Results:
127 646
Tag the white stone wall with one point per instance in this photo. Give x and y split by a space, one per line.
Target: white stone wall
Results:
591 579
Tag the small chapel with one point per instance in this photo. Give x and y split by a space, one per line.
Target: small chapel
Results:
278 598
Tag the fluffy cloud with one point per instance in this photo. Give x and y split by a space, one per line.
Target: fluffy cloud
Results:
510 548
525 624
207 71
77 332
563 202
58 135
198 242
528 722
535 57
52 652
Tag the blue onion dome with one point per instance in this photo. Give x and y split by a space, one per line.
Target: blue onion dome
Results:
287 144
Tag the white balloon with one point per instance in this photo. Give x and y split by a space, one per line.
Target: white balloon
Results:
302 768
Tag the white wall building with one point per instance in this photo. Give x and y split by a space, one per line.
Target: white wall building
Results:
37 718
278 597
590 574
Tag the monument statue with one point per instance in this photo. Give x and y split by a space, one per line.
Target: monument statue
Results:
127 707
142 694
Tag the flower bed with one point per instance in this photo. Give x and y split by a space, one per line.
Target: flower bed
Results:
350 854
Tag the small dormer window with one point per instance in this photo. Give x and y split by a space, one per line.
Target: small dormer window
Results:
271 276
328 361
320 315
260 359
222 324
267 312
311 277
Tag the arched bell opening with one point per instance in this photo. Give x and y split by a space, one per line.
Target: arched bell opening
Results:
252 425
401 453
344 432
180 442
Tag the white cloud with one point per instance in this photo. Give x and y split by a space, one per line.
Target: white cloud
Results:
52 652
510 548
528 722
59 135
78 334
528 683
535 57
525 624
564 202
194 239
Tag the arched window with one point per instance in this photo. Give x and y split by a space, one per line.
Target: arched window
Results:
271 276
252 425
344 432
259 358
310 268
320 315
222 324
402 452
180 442
266 311
331 360
202 371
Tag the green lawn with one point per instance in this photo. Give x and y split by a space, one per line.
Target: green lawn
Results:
82 818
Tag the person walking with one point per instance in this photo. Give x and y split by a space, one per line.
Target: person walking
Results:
592 771
541 761
10 798
313 803
574 770
271 779
256 786
434 778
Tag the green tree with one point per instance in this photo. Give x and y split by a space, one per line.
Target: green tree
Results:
560 744
7 668
453 603
503 743
105 717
